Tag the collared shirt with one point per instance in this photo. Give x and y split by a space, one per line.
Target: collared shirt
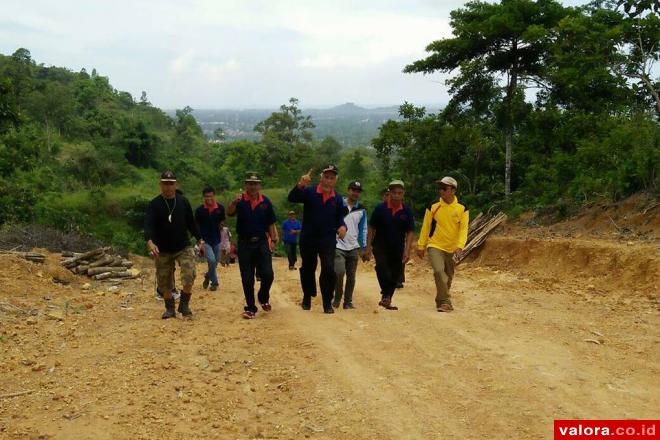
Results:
327 196
322 215
287 227
445 226
208 222
356 228
253 217
391 225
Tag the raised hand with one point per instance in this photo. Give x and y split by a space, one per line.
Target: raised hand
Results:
306 179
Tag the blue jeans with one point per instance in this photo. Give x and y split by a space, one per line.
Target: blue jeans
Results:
212 253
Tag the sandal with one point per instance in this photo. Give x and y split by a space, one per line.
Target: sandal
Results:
445 307
248 315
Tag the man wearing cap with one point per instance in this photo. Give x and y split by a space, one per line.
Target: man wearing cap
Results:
255 221
168 221
209 217
443 233
290 231
347 252
323 222
390 240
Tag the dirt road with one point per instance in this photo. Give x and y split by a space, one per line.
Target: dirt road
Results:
519 351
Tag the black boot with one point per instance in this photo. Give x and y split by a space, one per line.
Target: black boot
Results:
169 309
183 304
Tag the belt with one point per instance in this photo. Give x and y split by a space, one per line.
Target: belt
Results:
251 239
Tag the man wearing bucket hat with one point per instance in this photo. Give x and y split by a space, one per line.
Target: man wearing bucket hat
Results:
168 221
390 240
348 248
443 233
255 222
323 222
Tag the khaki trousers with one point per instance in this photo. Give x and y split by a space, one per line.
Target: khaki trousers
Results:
443 272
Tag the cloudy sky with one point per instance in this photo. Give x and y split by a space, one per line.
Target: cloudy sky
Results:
239 53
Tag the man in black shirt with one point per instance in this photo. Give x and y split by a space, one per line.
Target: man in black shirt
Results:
166 226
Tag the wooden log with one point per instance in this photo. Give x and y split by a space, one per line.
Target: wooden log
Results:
86 255
127 263
30 256
97 270
82 270
102 262
479 239
103 276
117 260
67 254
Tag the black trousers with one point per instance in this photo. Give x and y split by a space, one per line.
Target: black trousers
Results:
389 266
291 252
255 257
310 252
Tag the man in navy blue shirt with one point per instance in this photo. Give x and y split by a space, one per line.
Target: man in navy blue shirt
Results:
323 222
255 220
209 217
290 231
390 240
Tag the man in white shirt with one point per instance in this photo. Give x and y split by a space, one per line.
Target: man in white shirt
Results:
347 252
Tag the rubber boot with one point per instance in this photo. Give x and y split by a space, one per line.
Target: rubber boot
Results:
183 304
169 309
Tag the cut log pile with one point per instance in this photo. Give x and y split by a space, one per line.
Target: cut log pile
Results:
478 230
99 264
35 257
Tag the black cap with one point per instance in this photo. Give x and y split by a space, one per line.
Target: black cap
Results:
355 185
330 169
252 176
167 176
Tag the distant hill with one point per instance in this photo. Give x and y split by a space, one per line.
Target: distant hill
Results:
349 123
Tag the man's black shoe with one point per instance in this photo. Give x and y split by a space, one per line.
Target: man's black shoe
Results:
349 306
306 303
328 310
206 282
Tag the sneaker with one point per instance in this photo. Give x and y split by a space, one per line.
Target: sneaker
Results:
206 282
349 306
248 315
328 310
336 305
214 287
267 307
445 307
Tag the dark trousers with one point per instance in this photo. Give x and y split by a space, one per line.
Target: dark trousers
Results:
389 266
310 252
255 257
291 252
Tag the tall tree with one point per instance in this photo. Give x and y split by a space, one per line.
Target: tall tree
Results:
506 41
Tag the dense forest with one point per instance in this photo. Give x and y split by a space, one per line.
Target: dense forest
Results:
551 107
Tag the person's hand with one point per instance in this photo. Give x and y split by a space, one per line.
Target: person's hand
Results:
406 257
366 255
152 248
202 248
458 252
341 232
421 253
305 179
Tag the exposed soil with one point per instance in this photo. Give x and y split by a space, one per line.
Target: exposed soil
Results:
543 329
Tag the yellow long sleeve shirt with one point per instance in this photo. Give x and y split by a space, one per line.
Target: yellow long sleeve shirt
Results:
451 226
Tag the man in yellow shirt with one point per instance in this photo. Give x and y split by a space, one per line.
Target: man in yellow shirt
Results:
444 232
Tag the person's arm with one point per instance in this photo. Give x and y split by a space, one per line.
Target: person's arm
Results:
192 227
231 209
272 231
423 240
366 255
340 212
463 231
410 237
298 193
149 230
363 231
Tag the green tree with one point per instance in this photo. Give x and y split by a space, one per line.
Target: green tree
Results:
508 40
